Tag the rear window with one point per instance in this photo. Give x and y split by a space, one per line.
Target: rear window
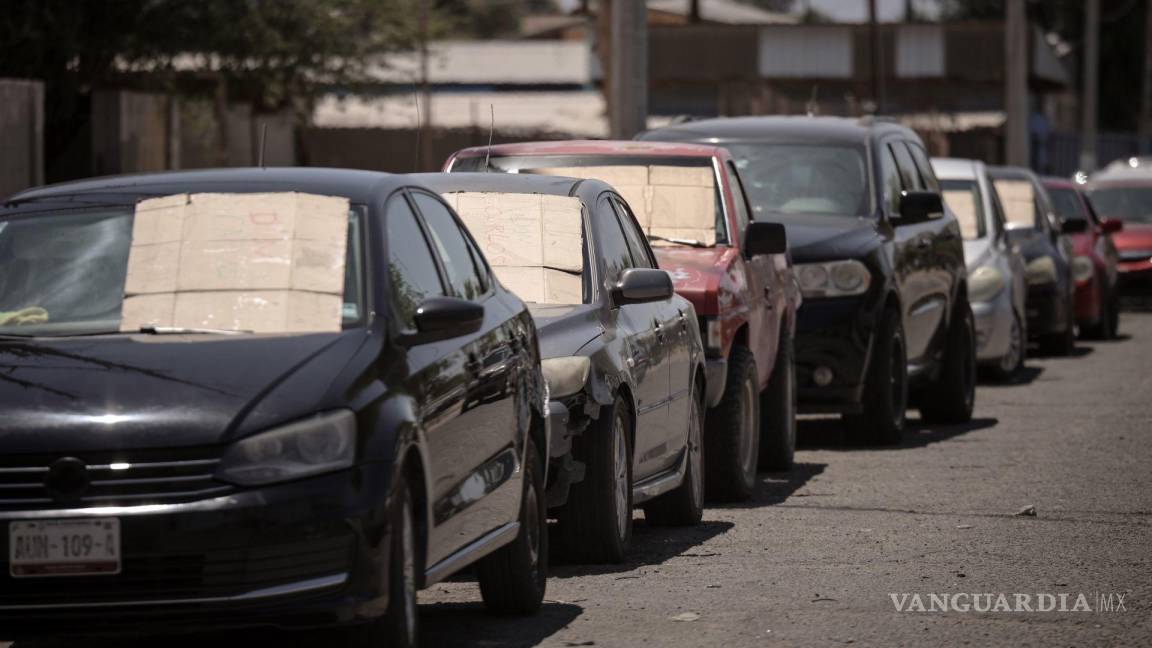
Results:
963 198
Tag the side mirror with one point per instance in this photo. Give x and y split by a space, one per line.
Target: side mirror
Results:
919 206
1111 225
642 285
765 238
440 318
1073 226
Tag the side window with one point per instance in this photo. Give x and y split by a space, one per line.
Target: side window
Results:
908 172
927 175
613 247
890 180
741 199
411 268
998 218
637 242
462 268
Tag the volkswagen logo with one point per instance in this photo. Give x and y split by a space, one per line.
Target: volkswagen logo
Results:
67 478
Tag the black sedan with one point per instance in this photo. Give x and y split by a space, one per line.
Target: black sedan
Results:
622 353
885 320
259 398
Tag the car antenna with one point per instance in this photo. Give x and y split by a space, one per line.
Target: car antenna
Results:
491 128
263 141
419 128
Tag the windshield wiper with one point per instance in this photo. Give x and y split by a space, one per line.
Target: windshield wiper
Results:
186 330
678 241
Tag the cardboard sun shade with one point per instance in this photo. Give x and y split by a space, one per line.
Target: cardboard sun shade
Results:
963 205
668 201
267 263
532 241
1018 200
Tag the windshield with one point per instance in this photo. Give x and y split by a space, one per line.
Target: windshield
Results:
1067 204
803 178
1129 204
1019 200
963 198
651 185
65 273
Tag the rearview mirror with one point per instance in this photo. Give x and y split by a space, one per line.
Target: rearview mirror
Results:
1111 225
765 238
440 318
642 285
919 206
1073 226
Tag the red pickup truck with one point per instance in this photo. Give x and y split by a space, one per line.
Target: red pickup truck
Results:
735 271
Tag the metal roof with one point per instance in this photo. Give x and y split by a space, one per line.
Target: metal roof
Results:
779 128
594 147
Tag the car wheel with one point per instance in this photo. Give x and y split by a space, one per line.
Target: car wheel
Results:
778 411
951 396
885 389
512 579
1063 342
597 519
1113 329
733 437
1012 361
685 505
1108 324
400 626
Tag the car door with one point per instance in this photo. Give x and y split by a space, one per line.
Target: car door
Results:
1007 247
675 318
641 344
947 255
471 443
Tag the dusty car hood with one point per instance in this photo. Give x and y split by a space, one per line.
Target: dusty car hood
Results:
821 238
564 329
107 392
698 274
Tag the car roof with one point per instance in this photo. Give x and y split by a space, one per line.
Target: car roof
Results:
1054 182
357 186
595 147
547 185
1012 172
779 127
956 168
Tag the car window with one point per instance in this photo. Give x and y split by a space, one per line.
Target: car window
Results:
411 268
613 250
908 173
999 221
963 199
803 178
740 198
641 257
1131 204
890 180
1067 204
1018 196
927 175
458 259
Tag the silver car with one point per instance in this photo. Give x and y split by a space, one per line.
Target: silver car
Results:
996 287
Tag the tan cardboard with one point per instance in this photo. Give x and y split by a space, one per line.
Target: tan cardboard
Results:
1018 200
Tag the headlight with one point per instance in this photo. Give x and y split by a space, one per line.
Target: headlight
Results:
1040 271
713 339
833 279
984 284
1082 269
565 376
318 445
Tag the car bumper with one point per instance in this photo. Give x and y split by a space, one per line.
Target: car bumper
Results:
993 327
307 554
1047 310
1135 275
835 334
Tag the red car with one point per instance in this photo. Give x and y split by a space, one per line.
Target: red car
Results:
1095 260
1129 200
702 231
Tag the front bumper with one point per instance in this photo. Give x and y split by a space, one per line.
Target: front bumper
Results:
311 553
835 333
1047 310
1135 276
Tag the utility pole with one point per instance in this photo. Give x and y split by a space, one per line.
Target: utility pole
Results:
628 76
1089 90
876 59
1016 150
693 11
424 114
1146 84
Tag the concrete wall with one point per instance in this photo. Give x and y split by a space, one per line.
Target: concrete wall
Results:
21 135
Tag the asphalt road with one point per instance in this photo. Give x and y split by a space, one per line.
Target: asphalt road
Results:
814 558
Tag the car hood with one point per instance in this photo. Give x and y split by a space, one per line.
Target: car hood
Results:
977 252
1134 236
698 273
565 329
821 238
141 391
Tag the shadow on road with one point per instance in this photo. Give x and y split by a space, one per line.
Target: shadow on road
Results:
1026 375
777 487
829 434
452 625
651 545
1078 351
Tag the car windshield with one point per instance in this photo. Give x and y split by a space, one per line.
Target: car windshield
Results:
963 198
1018 196
1129 204
1067 204
668 187
66 273
783 178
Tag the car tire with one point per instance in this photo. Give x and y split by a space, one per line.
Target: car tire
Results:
513 578
951 396
778 411
597 520
732 440
400 625
881 421
1063 342
1108 324
684 506
1113 329
1008 366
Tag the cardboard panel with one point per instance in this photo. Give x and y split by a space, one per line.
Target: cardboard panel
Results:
267 263
1018 200
962 202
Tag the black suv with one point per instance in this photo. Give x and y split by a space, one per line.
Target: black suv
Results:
880 262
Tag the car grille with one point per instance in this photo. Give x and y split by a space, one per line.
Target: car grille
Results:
112 478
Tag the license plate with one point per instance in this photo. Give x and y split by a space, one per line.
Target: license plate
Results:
64 548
